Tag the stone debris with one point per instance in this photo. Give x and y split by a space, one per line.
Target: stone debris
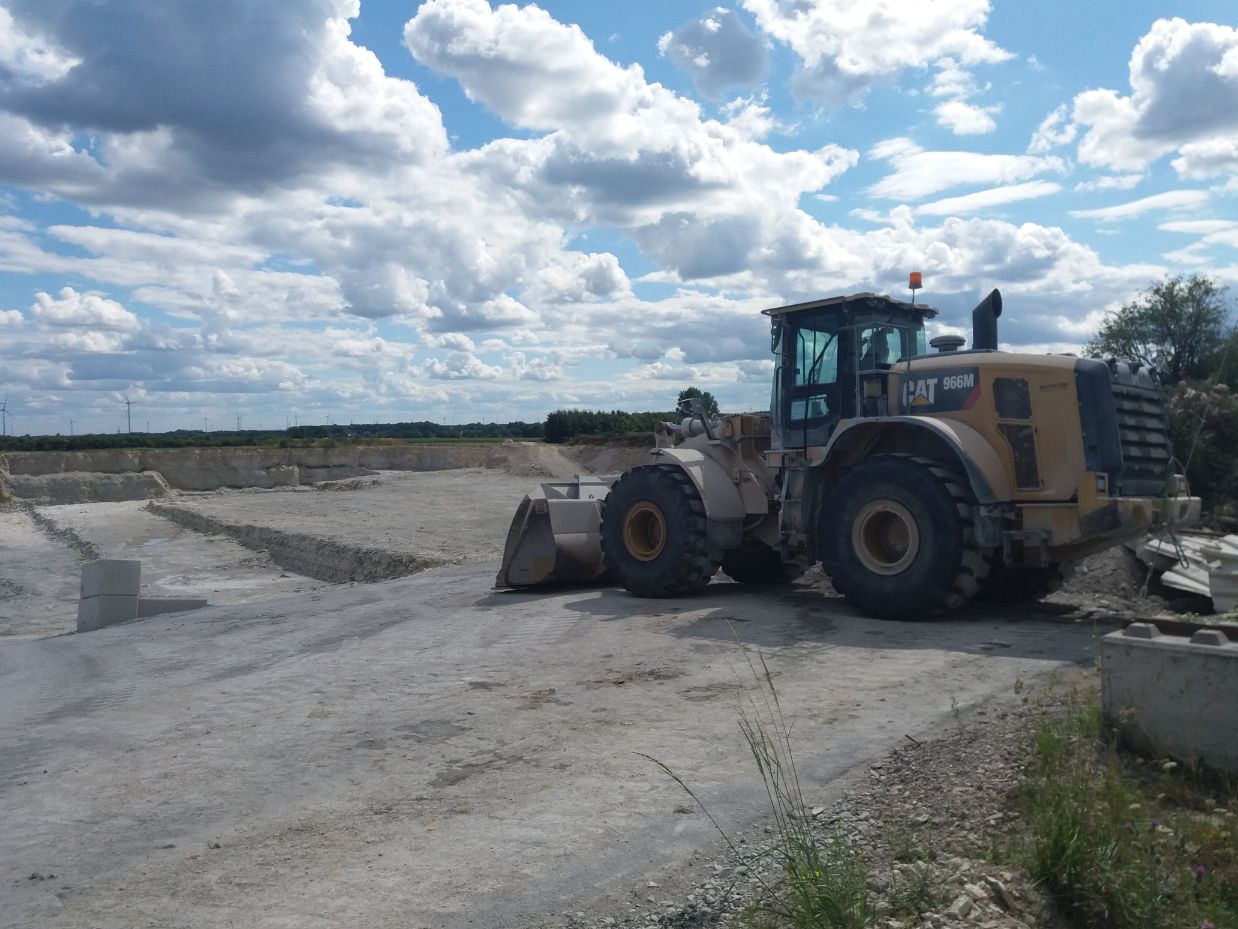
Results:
922 828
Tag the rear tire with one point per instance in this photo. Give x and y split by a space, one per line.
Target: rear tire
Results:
1011 584
654 533
896 536
756 563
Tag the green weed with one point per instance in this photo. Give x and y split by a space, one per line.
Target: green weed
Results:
916 891
908 843
1121 844
821 881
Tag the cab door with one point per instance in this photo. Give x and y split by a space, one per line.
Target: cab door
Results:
813 380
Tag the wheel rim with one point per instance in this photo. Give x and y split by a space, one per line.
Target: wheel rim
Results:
885 538
644 531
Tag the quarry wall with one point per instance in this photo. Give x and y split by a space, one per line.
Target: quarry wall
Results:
112 475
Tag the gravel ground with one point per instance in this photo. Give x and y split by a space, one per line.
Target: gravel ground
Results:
924 816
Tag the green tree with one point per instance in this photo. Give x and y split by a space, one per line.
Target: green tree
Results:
1176 326
1223 365
1201 420
711 405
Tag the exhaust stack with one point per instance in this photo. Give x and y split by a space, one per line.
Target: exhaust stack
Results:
984 322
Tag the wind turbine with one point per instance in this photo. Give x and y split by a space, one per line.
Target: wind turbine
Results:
128 412
5 416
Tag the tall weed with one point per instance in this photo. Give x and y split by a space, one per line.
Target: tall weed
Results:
819 880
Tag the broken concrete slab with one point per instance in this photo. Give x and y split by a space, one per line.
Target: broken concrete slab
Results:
1199 564
1168 694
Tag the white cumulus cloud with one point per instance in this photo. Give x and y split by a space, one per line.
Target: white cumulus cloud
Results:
86 311
718 51
963 118
847 46
1184 98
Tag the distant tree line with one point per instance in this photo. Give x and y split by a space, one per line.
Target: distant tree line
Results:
419 430
565 425
296 435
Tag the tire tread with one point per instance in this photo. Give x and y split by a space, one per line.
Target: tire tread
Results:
693 565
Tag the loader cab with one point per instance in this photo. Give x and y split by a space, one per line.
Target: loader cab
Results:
827 351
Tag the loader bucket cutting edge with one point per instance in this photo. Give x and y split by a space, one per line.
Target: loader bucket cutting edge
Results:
555 536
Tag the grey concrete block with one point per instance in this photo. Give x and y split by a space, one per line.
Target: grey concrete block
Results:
111 577
1175 696
97 612
157 606
1209 637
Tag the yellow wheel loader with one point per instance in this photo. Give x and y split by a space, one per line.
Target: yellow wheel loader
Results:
917 479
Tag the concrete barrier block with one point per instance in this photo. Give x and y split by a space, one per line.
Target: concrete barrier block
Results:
97 612
1172 695
157 606
111 577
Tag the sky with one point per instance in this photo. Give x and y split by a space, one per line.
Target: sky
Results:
269 212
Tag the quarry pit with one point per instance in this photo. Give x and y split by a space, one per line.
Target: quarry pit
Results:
233 525
359 731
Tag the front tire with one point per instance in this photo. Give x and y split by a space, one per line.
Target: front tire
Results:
654 533
896 538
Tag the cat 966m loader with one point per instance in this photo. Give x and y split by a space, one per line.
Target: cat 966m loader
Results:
917 479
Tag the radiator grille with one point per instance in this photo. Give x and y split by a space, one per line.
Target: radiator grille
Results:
1143 433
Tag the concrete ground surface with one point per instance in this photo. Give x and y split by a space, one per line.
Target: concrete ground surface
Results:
39 579
437 517
426 752
441 517
420 752
40 574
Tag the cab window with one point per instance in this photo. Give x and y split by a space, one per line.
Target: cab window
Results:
882 346
814 393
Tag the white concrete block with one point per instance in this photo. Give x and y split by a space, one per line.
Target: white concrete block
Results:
1171 695
97 612
111 577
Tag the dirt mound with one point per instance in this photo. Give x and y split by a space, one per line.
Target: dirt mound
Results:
605 459
320 558
1113 580
528 459
561 463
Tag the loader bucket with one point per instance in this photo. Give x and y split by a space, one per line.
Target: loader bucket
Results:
555 536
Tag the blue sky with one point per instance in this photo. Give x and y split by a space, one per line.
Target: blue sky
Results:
455 210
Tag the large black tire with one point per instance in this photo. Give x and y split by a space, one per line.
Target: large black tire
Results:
756 563
1010 584
654 533
896 536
